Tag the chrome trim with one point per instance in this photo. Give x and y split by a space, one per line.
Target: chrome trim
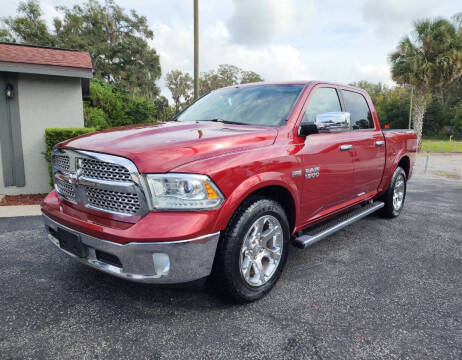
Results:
296 173
379 143
307 240
190 259
106 184
346 147
333 121
78 181
312 173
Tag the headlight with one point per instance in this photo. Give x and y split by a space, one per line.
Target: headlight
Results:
183 192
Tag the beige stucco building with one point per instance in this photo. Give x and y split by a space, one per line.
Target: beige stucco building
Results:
40 88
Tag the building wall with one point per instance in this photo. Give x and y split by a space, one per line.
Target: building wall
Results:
44 102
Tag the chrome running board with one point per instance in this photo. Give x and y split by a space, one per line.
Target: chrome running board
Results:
320 231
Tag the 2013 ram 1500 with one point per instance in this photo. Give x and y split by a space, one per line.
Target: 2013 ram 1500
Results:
226 186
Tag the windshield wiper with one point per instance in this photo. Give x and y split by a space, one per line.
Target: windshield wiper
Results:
224 121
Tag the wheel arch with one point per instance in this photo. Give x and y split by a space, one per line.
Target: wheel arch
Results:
277 188
405 163
281 195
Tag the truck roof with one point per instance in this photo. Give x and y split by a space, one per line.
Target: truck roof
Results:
298 82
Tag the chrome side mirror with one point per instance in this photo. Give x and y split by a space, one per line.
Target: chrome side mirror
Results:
332 121
326 122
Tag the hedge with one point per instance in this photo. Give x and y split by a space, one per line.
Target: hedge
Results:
109 107
54 136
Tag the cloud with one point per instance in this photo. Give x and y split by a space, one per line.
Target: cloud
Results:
373 72
336 40
394 18
175 47
258 22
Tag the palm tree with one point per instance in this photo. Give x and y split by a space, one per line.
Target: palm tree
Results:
430 59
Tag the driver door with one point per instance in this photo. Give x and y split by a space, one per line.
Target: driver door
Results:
327 159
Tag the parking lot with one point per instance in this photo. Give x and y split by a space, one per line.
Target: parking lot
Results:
378 289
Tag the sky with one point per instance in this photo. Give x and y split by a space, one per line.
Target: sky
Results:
333 40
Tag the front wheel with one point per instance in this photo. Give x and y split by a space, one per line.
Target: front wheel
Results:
252 250
395 195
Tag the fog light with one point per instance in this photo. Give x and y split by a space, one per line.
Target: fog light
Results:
161 263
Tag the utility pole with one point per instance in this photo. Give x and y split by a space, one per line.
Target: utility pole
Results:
410 107
196 49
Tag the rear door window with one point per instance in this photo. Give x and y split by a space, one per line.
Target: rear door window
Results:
360 114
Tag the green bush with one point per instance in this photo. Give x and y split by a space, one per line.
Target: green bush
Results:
54 136
95 118
109 106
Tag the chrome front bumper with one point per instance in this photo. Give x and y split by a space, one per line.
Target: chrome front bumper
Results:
148 262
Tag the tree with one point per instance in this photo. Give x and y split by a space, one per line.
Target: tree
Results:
226 75
164 110
430 59
109 106
374 90
28 27
391 104
392 107
180 85
116 41
456 120
250 77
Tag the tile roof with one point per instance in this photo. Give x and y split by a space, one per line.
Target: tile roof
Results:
26 54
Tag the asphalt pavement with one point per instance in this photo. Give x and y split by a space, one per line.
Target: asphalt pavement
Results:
380 288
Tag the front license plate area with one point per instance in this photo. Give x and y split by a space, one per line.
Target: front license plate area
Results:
72 243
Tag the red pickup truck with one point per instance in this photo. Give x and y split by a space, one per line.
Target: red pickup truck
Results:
227 185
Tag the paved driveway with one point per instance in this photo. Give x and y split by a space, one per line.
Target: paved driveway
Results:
378 289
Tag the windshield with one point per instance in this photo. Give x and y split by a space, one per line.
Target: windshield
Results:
251 105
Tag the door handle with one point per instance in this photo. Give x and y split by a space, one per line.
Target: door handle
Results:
345 147
379 143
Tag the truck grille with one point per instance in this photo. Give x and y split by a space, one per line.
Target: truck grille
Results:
113 201
66 190
101 170
98 181
61 162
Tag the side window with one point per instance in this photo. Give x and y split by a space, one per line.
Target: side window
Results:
360 114
322 101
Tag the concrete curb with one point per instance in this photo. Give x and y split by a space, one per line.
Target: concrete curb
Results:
19 210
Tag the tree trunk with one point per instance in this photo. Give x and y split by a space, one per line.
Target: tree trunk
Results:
418 112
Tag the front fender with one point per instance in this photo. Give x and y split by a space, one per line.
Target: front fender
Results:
250 186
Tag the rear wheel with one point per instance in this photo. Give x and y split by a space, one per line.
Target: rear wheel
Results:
395 195
252 250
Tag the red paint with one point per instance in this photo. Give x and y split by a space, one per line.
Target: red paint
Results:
242 159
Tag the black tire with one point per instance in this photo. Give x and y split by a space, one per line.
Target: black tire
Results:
226 274
389 210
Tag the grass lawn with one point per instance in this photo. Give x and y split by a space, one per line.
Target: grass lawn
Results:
441 146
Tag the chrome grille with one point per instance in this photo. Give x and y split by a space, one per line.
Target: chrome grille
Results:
99 181
101 170
66 190
113 201
61 162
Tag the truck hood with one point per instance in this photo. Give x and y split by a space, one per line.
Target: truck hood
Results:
165 146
